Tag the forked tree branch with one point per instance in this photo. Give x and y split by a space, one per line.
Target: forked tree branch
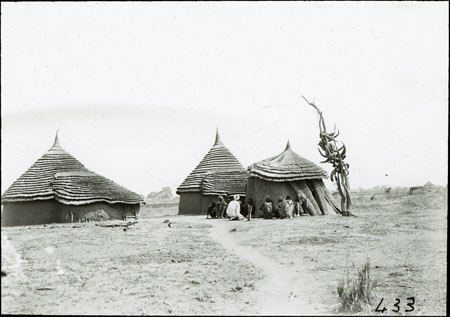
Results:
328 149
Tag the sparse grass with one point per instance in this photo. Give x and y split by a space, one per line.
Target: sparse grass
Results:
373 199
404 236
355 294
315 240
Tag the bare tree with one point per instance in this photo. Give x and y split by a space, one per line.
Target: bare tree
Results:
328 148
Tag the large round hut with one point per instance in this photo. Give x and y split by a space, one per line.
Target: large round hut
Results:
218 173
289 174
58 188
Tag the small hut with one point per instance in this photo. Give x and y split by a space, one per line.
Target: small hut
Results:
218 173
58 188
289 174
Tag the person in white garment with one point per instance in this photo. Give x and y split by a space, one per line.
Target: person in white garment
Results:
234 209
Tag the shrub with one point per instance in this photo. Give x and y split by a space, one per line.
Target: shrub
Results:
355 293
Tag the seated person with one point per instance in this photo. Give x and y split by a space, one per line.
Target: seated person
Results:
287 208
211 212
307 206
234 209
267 208
278 208
221 207
298 210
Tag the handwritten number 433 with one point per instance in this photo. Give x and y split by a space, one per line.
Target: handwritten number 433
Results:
396 308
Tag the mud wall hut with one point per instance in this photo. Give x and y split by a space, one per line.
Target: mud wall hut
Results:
289 174
218 173
58 188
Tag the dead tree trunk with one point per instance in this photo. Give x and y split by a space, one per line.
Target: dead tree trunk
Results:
328 149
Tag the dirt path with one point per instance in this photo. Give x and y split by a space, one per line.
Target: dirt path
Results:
283 291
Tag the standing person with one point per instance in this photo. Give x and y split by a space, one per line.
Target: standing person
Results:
250 209
244 209
221 206
234 209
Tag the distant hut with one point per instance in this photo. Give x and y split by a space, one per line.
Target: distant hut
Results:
58 188
429 186
218 173
288 174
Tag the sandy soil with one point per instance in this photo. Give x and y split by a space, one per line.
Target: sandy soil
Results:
279 290
217 267
148 269
405 240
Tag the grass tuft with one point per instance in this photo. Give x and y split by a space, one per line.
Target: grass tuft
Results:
355 294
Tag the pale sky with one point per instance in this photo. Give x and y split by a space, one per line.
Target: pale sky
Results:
138 89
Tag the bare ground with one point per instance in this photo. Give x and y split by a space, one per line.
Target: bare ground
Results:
148 269
221 267
405 240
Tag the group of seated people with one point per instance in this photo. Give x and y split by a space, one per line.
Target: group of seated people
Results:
285 208
232 208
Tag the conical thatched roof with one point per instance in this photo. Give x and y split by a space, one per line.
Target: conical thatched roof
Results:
219 158
58 175
225 183
287 166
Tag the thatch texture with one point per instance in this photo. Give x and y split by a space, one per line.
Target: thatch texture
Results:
225 183
58 175
219 158
287 166
77 188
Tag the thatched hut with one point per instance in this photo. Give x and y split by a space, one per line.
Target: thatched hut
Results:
58 188
218 173
289 174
